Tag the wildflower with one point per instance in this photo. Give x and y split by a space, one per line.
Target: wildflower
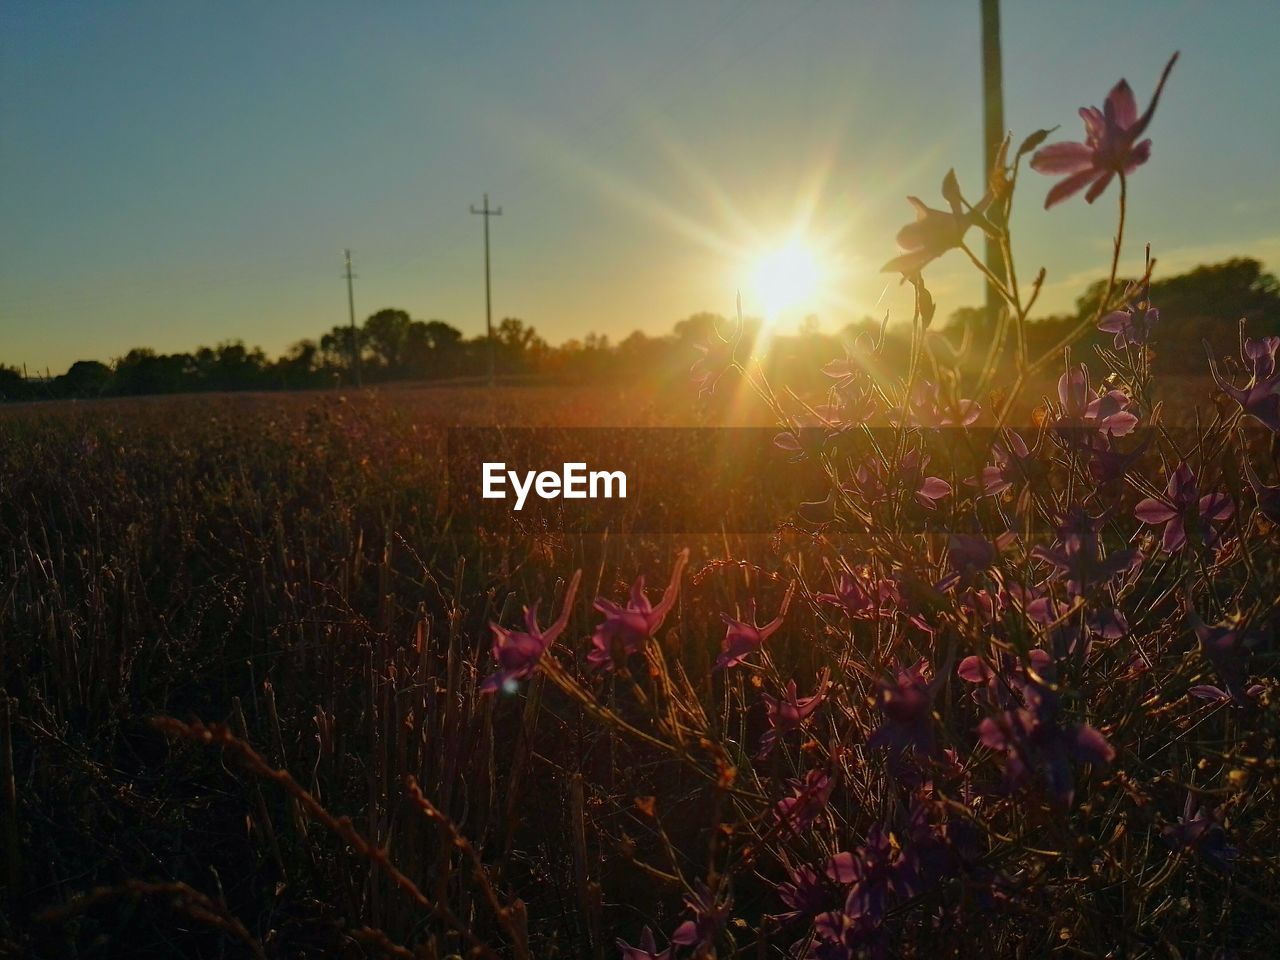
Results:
851 597
809 797
517 652
1132 323
710 912
625 630
875 871
1181 506
1110 146
648 949
804 891
1083 416
925 407
1035 743
841 936
872 484
907 704
934 232
1107 462
1201 832
1013 461
788 712
1077 554
744 637
1260 397
996 684
1227 650
969 555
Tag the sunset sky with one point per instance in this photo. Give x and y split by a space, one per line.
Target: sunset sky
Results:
177 173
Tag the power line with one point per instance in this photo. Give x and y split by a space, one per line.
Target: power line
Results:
488 303
351 308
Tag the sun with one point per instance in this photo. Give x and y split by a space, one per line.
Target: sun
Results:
785 279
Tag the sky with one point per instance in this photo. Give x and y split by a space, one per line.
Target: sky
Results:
176 173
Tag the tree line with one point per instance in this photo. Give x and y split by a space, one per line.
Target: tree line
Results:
1205 303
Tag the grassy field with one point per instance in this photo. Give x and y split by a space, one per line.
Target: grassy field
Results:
293 569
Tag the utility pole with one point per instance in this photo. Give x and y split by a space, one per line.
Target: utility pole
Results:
992 132
488 302
351 310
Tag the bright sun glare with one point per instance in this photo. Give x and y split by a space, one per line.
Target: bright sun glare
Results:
785 279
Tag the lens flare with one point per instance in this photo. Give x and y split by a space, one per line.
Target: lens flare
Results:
786 279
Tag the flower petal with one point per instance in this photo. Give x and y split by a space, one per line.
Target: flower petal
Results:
1069 187
1065 157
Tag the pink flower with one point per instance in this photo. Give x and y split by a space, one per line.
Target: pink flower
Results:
625 630
809 798
1110 145
907 704
934 231
1182 505
518 652
852 597
788 712
1132 323
1226 646
873 483
925 407
1013 461
744 637
710 913
1260 397
1082 412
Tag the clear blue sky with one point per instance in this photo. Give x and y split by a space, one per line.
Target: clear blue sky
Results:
176 173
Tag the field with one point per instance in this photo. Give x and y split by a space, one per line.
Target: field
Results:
289 579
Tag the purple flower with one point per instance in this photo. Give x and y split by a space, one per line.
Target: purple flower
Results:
809 797
1132 323
1227 649
1013 462
1083 416
626 630
805 892
1107 462
1077 554
517 652
934 232
875 873
969 555
996 684
851 597
907 704
788 712
1110 146
1036 744
710 912
1260 397
1201 832
744 637
648 949
1182 506
925 407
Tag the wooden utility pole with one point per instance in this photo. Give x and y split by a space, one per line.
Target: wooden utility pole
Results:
351 310
485 212
992 132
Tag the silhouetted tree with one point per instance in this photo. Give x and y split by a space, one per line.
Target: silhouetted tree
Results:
386 334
